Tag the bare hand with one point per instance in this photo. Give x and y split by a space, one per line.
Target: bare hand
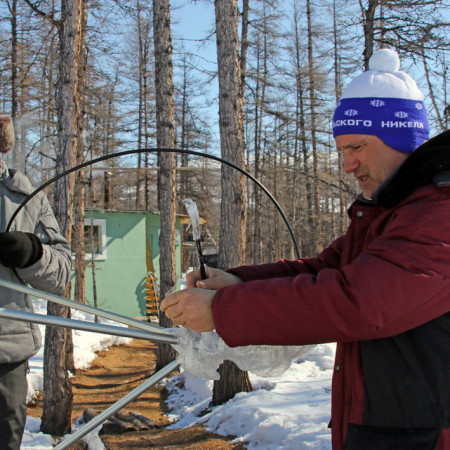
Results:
190 308
216 279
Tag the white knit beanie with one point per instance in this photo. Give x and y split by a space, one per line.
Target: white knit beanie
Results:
384 102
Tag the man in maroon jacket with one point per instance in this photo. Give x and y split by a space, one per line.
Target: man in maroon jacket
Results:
381 291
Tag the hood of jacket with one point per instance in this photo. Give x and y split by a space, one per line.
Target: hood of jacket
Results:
13 180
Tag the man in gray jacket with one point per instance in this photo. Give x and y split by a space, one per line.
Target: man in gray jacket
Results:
32 252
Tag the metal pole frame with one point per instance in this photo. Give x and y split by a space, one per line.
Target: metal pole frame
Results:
56 321
146 331
83 307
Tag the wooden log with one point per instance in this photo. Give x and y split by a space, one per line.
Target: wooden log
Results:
145 420
125 426
122 415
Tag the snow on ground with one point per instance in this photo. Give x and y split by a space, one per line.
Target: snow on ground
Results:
290 411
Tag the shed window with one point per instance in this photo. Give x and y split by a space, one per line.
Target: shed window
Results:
95 239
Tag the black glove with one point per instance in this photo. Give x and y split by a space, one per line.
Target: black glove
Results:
18 249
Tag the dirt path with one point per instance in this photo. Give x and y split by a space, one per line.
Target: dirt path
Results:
112 375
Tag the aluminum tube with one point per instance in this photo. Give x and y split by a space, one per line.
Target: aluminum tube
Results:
82 307
86 326
102 417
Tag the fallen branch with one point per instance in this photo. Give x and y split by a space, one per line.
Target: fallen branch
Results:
131 421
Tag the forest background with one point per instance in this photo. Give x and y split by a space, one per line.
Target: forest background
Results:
300 54
256 84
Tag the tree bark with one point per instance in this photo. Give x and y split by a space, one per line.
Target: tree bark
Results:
78 241
233 208
144 50
166 177
318 242
342 218
58 397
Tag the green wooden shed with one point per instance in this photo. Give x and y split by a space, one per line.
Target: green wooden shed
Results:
123 271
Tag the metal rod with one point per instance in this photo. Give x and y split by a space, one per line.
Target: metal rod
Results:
86 326
102 417
86 308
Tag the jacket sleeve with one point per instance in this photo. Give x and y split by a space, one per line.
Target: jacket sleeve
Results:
330 257
52 272
400 280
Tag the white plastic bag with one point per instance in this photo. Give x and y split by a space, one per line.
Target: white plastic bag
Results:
202 353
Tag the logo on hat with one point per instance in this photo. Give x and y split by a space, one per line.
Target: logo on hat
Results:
377 103
351 112
401 114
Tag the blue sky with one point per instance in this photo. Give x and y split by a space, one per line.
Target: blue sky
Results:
192 26
192 22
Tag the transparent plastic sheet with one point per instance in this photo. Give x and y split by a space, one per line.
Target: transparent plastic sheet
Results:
202 353
192 210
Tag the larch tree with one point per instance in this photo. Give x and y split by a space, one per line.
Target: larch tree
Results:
144 46
78 240
166 177
339 72
260 75
368 22
13 10
302 215
58 359
233 206
318 241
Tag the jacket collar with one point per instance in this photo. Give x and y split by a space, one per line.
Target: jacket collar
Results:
14 181
427 164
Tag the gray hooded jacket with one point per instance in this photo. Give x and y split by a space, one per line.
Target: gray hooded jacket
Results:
21 340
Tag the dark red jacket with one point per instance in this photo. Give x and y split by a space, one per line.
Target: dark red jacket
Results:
381 291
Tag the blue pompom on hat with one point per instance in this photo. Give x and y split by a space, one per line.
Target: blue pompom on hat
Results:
384 102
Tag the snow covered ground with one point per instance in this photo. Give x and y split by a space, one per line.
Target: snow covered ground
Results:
290 411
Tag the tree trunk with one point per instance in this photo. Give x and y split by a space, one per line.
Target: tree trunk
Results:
298 207
233 208
166 176
260 101
312 100
257 195
368 24
342 218
440 120
232 380
58 398
14 69
78 241
144 44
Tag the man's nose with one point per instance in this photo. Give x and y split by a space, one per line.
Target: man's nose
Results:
350 163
